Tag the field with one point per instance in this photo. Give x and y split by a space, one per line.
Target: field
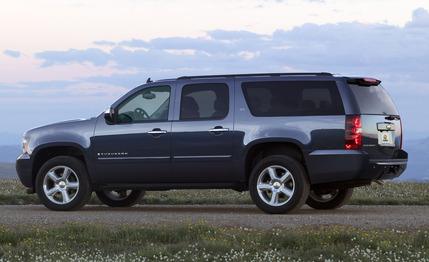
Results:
12 192
200 242
204 242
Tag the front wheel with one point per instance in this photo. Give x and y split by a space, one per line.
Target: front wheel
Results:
278 184
120 198
62 184
329 199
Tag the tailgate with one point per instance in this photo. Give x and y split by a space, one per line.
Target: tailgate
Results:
381 124
381 136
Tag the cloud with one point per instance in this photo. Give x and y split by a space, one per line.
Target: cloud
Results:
12 53
397 55
92 55
420 19
349 48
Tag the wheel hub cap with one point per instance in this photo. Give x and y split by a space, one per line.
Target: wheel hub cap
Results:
61 185
275 185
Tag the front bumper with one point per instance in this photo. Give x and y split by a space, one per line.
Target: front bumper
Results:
24 166
336 166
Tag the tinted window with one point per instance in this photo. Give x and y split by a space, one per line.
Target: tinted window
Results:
293 98
150 104
373 100
204 101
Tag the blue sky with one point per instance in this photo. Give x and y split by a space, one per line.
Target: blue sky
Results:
71 59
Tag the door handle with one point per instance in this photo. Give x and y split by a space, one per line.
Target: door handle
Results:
218 129
157 131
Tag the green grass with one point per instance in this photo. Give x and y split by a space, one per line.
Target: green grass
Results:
200 242
404 193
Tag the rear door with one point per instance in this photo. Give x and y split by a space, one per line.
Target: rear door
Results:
202 132
381 124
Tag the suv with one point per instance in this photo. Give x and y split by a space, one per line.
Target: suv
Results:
288 138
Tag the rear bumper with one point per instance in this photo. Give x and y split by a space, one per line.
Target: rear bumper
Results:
24 170
333 166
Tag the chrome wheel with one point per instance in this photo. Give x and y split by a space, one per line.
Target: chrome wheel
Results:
275 185
61 185
324 197
118 195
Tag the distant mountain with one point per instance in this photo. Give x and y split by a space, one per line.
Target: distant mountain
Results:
7 138
418 162
7 170
418 159
9 153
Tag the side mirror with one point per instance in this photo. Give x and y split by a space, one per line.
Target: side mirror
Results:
109 116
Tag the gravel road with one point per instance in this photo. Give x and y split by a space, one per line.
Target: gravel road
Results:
221 215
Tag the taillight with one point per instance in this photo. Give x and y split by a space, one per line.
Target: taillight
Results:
353 137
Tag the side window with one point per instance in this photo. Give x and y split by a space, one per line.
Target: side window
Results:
293 98
150 104
204 101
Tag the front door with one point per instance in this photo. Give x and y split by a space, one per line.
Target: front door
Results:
136 149
202 132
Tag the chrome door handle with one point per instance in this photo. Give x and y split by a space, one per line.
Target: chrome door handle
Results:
217 129
157 132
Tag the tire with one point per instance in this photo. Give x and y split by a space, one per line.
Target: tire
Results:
113 198
62 184
329 199
264 181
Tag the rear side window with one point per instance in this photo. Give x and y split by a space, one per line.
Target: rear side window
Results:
204 101
293 98
373 100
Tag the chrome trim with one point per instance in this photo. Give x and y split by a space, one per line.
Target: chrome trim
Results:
212 156
393 163
157 132
133 158
219 130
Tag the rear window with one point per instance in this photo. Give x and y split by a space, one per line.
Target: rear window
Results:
293 98
373 100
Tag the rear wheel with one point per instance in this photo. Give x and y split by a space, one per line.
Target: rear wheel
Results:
120 198
62 184
329 199
278 184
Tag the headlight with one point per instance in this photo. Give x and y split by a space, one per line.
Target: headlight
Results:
25 146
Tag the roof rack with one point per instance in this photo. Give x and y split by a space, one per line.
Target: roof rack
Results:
258 74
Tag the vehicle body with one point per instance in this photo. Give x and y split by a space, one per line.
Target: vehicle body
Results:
213 131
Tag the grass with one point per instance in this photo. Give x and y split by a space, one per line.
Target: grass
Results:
404 193
200 242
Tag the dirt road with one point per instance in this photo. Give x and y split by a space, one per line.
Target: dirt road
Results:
221 215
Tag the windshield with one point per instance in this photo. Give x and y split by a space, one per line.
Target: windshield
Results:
373 100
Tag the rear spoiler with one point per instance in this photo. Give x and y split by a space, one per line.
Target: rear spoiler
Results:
363 81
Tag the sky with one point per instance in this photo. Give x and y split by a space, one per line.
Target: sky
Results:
68 59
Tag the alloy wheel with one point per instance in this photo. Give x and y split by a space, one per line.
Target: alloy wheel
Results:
61 185
275 185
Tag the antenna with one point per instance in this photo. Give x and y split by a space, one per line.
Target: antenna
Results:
149 81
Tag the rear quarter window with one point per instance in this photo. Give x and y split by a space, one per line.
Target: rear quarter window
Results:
373 100
293 98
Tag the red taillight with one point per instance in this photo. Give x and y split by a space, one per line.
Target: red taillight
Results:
353 132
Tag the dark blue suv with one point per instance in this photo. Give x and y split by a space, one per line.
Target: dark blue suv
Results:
288 138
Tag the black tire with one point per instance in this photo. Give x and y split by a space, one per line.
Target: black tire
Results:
81 195
126 201
300 182
336 198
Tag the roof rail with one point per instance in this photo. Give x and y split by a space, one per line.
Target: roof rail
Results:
258 74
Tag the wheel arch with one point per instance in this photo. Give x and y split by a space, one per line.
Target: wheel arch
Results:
265 147
44 152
